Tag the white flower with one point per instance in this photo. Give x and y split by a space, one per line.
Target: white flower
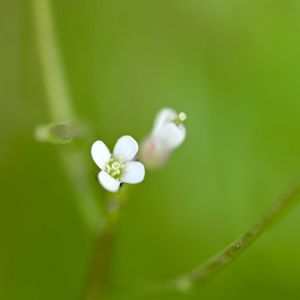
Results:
168 133
168 129
120 166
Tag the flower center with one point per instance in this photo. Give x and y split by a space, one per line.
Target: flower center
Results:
115 168
181 117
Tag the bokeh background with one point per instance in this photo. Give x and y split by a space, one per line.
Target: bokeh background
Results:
234 68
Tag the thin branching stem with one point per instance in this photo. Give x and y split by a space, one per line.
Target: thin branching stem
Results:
61 109
218 262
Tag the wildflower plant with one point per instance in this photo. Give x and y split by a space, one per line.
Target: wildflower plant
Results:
124 165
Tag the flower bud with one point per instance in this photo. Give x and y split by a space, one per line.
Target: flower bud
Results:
168 133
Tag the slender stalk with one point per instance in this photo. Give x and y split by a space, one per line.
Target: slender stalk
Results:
61 110
99 275
221 260
59 99
60 106
98 285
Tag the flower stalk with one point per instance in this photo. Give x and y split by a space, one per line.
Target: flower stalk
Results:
218 262
98 285
61 110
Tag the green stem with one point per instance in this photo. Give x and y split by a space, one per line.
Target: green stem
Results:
60 107
98 285
221 260
98 281
59 99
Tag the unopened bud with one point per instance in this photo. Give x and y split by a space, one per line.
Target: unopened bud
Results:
168 133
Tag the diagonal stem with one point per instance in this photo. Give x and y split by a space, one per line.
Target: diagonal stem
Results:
61 110
58 94
221 260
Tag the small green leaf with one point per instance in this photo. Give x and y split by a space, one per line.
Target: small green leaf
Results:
58 133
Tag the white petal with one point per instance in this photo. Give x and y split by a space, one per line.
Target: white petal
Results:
108 182
100 154
134 172
126 147
164 116
171 136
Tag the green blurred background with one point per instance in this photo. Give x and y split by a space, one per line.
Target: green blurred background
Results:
233 66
